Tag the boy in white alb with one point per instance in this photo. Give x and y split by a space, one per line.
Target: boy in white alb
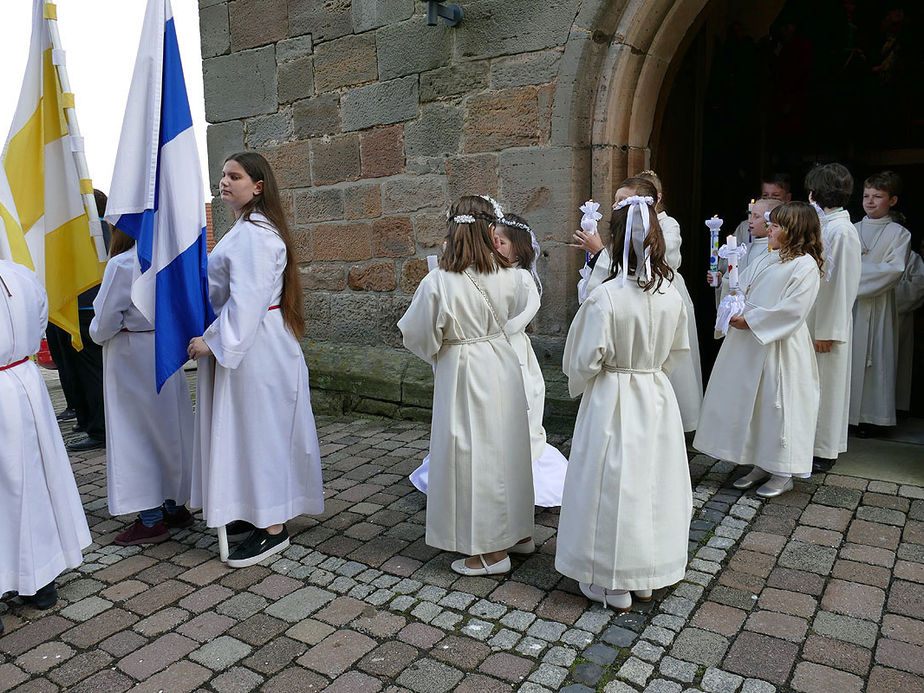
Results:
831 321
884 253
757 230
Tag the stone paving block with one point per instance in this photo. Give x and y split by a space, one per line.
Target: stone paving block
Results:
900 655
601 654
815 535
838 497
275 655
614 687
33 634
559 656
429 676
101 627
337 652
300 604
837 654
593 620
719 618
506 666
206 626
826 517
179 677
648 651
549 675
868 554
67 674
156 656
388 659
237 680
663 686
518 620
756 655
547 630
886 516
589 673
420 635
874 534
460 652
562 607
636 671
777 625
809 557
853 599
478 629
504 639
884 680
294 679
907 599
815 678
677 669
517 595
757 686
106 680
700 646
845 628
623 637
44 657
157 597
718 681
904 629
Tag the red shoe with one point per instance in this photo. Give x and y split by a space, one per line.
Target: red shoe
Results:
181 519
139 534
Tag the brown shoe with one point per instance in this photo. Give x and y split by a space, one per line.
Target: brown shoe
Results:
139 534
181 519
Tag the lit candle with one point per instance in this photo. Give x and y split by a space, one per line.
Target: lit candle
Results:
714 225
751 206
732 244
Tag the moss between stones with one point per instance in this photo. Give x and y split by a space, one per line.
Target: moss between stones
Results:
393 383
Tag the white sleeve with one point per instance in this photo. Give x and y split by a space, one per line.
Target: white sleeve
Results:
113 299
422 324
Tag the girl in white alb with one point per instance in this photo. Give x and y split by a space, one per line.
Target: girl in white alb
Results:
149 435
762 397
514 239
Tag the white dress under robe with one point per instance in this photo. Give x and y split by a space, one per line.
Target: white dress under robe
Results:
549 465
832 319
149 436
762 398
625 515
875 321
909 296
43 528
480 490
255 454
687 376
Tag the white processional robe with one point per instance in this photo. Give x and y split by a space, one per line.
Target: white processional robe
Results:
149 436
762 397
832 319
625 515
255 454
480 485
43 528
687 376
909 296
884 251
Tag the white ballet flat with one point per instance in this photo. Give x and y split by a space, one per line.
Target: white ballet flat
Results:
525 548
499 568
751 478
775 487
642 595
620 600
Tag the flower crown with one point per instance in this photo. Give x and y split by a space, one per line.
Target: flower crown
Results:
463 219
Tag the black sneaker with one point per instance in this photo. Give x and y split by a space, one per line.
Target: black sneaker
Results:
45 598
259 545
67 415
239 530
822 464
87 443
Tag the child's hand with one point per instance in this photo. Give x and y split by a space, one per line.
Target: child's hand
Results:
823 346
197 347
714 278
589 242
739 322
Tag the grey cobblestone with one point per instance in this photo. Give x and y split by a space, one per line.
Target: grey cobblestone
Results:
718 681
648 651
636 671
505 639
518 620
478 629
531 647
677 669
485 609
547 630
549 675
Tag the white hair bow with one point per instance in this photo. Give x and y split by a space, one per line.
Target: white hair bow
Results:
635 202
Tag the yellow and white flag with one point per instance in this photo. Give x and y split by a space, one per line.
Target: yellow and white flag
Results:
53 236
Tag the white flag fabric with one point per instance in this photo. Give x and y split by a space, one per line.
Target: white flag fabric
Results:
157 195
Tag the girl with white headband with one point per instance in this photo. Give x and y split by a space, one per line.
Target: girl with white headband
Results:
625 514
515 240
480 485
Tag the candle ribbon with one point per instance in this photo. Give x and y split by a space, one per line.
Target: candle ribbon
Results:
635 202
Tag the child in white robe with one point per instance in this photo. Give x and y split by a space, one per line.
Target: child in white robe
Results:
762 398
480 486
149 436
256 459
831 320
514 239
625 514
909 296
884 246
44 528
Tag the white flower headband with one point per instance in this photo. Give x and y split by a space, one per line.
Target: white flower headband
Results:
464 219
498 212
633 203
503 221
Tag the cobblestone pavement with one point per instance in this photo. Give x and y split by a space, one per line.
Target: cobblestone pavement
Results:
819 590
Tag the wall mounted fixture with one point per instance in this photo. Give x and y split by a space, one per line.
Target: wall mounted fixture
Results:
451 14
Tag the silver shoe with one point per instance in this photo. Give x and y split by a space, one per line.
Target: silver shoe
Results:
499 568
771 490
751 478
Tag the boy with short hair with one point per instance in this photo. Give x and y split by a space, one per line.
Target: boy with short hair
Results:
884 253
831 321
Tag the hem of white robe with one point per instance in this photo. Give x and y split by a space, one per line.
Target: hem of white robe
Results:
66 559
618 582
263 517
874 420
548 477
772 466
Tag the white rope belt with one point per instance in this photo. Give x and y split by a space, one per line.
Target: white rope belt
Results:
472 340
616 369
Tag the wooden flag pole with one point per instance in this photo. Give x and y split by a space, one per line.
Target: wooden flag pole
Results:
76 140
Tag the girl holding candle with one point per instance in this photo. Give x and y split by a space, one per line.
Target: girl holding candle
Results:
625 514
762 398
480 485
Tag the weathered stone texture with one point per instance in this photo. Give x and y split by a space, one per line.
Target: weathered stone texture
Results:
437 131
378 275
316 116
325 276
468 175
214 33
269 130
290 162
222 139
295 79
393 237
293 48
382 151
318 204
240 85
517 26
362 200
381 103
371 14
454 80
501 119
349 241
325 20
412 272
345 62
257 22
335 159
410 193
520 70
412 47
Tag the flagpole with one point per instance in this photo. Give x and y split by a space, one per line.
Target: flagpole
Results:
76 140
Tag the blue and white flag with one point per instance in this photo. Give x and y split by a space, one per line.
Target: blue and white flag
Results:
157 195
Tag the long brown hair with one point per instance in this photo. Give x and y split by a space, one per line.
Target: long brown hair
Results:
654 241
470 244
269 205
520 238
803 230
119 242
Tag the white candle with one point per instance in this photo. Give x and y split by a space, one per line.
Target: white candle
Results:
732 243
714 225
